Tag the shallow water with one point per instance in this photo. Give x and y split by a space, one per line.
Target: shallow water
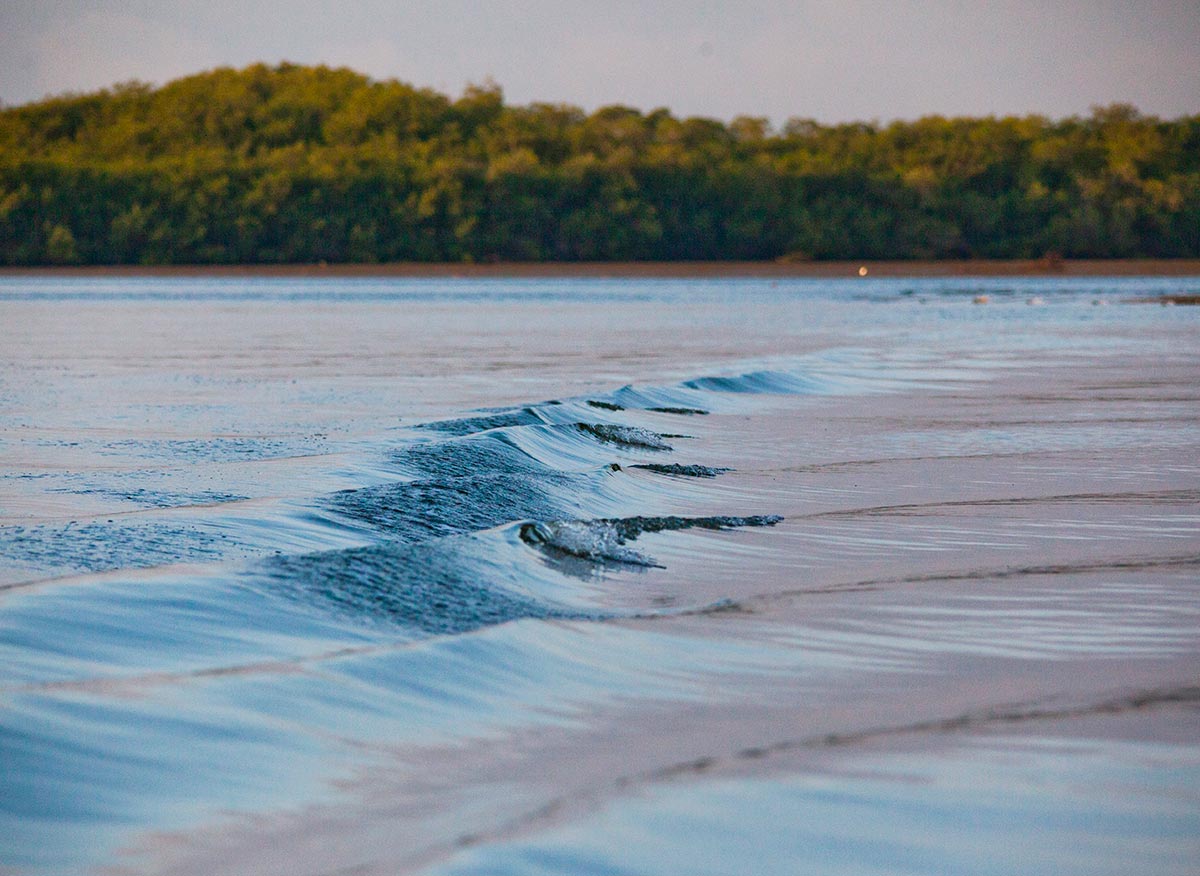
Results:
591 576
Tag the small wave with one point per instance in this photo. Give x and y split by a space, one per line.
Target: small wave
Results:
687 471
219 449
437 588
148 498
605 540
527 416
448 504
632 527
764 382
96 546
688 398
596 540
471 456
465 582
630 436
476 482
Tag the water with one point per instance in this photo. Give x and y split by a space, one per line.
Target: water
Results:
591 576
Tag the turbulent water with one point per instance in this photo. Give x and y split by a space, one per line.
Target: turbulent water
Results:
591 576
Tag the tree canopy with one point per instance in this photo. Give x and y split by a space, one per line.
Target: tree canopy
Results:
288 163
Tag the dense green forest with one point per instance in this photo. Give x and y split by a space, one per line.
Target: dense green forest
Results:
303 164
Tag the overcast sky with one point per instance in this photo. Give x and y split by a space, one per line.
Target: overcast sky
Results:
832 61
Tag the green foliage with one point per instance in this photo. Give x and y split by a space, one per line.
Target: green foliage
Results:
302 164
60 246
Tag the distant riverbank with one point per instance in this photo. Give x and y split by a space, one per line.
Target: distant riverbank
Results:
294 164
818 269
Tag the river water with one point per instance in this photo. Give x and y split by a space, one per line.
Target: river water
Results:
587 576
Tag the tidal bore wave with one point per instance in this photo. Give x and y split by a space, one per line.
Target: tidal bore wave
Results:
548 461
557 460
485 519
451 536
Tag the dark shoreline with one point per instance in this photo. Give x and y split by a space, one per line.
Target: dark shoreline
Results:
679 270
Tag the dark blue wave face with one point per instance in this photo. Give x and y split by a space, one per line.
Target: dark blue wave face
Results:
298 576
448 561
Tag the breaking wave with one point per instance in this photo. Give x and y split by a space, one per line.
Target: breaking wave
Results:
630 436
605 540
687 471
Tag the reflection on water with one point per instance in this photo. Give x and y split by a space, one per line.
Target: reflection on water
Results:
595 576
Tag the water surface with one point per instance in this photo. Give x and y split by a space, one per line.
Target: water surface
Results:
598 576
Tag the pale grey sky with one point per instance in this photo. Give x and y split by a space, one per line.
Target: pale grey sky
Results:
833 61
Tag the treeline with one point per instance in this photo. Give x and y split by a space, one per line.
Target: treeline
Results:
307 164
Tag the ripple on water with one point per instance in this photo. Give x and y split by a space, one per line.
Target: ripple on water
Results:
987 807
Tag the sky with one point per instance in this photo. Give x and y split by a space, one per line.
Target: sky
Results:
829 61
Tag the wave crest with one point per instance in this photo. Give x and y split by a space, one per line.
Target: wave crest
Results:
604 540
